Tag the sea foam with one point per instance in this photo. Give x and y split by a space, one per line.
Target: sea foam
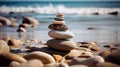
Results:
51 9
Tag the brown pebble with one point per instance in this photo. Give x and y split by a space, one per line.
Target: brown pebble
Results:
1 24
15 43
91 28
114 56
107 64
95 48
24 25
117 45
57 57
86 45
14 24
114 48
85 55
107 46
104 53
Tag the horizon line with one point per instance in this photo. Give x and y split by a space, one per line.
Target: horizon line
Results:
58 0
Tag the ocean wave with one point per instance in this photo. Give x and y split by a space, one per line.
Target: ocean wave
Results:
51 9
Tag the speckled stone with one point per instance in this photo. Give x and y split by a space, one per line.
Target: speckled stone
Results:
60 27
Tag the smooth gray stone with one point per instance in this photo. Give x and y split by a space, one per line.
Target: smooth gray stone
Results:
63 45
90 62
60 34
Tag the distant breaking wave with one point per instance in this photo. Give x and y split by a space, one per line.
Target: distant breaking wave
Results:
54 9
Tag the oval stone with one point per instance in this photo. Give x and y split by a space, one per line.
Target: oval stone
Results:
42 56
58 22
65 45
90 62
4 48
14 57
60 34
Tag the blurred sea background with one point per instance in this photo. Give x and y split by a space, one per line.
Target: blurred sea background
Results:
88 20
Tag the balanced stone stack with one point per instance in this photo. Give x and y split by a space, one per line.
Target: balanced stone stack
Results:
60 34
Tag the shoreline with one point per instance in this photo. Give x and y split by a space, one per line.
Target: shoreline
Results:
95 35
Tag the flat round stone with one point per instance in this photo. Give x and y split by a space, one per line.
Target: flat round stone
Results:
58 22
63 45
60 34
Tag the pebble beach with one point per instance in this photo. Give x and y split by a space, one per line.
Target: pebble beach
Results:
59 51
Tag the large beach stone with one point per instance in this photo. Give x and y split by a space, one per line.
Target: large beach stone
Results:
114 56
32 63
48 50
60 34
60 27
79 53
5 21
107 64
14 64
31 21
14 57
4 48
104 53
4 61
44 57
65 45
90 62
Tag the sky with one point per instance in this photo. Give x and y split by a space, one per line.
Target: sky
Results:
59 0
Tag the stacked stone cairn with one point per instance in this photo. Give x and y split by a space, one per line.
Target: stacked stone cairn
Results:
60 34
